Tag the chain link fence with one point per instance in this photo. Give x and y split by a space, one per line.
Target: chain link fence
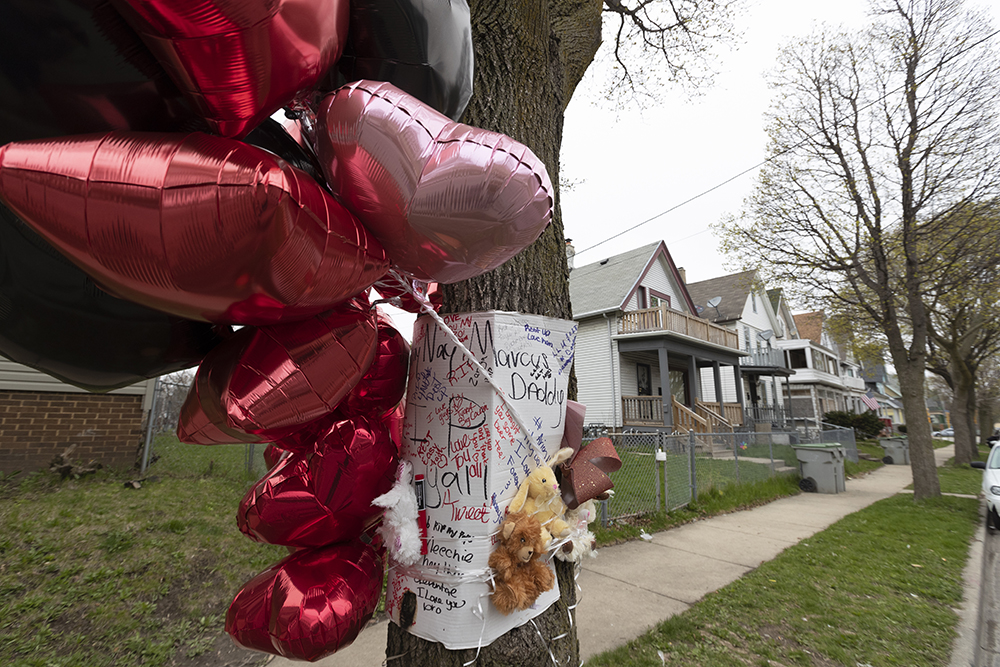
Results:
663 472
163 454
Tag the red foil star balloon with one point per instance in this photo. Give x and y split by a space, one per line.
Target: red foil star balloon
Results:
271 381
199 226
239 61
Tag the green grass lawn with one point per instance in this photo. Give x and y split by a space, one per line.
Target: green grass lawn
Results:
876 588
93 573
709 503
636 482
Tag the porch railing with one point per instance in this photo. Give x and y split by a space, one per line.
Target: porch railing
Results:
716 422
664 319
731 412
642 410
685 419
771 414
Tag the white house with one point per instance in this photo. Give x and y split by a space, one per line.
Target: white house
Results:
740 303
642 350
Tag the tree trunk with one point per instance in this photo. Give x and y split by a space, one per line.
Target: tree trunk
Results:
960 415
530 54
985 415
918 429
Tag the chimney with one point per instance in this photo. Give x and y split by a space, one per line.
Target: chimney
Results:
570 253
684 275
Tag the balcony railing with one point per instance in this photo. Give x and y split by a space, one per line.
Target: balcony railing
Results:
664 319
765 359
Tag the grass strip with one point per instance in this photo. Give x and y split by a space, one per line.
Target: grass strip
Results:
876 588
94 573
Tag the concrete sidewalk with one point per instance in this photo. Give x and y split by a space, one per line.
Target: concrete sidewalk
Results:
630 587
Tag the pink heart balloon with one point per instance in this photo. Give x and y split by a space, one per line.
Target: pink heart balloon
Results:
326 496
238 61
447 201
198 226
268 382
311 604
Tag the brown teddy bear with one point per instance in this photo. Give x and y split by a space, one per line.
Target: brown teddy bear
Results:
519 576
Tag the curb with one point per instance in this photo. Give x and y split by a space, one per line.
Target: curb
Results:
965 648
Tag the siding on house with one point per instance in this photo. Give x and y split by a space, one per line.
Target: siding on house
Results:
595 366
40 417
659 279
728 386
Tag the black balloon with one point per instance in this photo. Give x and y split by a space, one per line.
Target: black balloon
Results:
272 136
423 47
74 66
57 320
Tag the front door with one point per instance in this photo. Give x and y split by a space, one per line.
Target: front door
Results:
644 378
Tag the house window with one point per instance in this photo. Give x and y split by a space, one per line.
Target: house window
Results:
746 338
657 299
753 301
797 359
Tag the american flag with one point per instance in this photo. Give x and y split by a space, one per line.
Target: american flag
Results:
869 400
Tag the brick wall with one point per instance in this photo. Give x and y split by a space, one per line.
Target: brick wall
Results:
37 426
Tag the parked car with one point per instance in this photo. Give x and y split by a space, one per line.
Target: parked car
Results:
945 433
991 487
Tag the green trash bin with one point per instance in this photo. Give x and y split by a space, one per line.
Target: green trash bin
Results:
821 468
897 451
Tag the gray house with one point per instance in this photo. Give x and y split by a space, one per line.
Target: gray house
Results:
642 348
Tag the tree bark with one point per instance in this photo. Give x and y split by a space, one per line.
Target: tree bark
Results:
530 55
961 417
918 430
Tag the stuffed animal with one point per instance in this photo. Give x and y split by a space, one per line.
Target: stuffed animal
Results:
581 541
539 496
519 576
399 529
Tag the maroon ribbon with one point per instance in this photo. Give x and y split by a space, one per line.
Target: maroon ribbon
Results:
585 475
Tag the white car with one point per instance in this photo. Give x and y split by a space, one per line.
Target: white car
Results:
991 487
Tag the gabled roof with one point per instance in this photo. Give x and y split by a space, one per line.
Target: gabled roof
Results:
734 290
608 285
810 325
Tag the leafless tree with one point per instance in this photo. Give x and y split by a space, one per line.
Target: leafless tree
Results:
878 138
530 57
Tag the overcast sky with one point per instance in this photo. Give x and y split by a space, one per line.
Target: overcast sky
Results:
633 164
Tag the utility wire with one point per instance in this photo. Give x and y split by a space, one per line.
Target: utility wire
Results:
778 154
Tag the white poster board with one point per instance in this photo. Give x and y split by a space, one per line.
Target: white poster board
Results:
470 457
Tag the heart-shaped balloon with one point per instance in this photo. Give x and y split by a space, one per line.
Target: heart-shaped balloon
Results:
383 385
55 319
447 201
198 226
421 46
238 61
311 604
326 496
268 382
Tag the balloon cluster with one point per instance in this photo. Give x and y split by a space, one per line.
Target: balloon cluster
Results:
185 210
